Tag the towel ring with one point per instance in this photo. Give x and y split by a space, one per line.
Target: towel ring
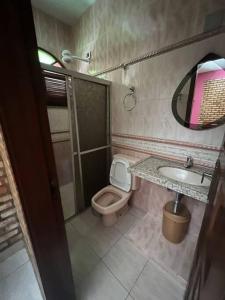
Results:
130 100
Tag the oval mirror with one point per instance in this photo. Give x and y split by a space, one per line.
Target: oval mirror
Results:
199 101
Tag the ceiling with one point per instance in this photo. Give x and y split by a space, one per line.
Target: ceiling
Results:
68 11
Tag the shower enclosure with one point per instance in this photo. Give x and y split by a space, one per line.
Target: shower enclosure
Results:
79 118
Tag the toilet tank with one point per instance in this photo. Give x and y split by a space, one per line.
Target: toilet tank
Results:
120 176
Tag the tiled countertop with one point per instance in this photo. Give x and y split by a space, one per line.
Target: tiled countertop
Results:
148 170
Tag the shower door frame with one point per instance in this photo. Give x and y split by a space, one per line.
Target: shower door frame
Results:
70 77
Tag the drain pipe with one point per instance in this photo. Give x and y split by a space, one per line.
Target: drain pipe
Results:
177 202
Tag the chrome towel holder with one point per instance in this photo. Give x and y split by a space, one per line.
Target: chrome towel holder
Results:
130 99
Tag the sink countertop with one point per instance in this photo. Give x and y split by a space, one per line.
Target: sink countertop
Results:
148 170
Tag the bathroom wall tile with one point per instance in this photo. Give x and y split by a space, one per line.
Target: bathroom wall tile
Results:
62 154
145 118
154 283
67 199
129 298
100 14
100 57
101 285
202 154
124 29
52 34
103 238
118 30
136 154
177 19
58 119
205 8
197 210
125 262
151 197
87 27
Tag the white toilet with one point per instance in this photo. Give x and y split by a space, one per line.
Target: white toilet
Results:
109 200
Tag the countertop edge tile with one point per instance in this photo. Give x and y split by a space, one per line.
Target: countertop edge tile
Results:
148 169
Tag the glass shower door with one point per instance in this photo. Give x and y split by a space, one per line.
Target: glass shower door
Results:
92 110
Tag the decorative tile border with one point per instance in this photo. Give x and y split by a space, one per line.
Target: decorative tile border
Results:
202 154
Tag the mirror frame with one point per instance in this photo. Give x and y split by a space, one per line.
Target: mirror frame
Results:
221 121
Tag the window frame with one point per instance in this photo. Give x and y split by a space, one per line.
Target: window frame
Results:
53 56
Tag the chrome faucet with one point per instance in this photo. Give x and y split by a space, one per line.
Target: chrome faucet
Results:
189 162
205 174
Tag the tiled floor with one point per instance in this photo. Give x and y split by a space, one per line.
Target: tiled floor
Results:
107 264
17 278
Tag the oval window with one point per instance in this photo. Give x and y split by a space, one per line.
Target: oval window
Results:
47 58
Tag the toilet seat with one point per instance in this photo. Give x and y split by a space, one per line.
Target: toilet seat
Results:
110 199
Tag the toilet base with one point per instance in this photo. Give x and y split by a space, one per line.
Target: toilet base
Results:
109 220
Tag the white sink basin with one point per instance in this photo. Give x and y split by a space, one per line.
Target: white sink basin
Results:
184 176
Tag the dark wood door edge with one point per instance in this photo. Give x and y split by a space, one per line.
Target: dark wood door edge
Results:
23 116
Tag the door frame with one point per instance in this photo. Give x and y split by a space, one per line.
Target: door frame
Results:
24 121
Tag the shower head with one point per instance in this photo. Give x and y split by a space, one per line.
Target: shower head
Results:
67 57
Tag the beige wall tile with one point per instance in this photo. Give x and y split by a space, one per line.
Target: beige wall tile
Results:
125 29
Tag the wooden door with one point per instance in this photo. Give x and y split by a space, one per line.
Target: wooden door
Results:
24 121
207 278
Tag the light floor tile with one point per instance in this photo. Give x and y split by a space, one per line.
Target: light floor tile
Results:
83 259
126 222
137 212
101 285
80 225
125 262
103 238
129 297
20 285
89 218
11 250
147 236
12 263
72 235
155 284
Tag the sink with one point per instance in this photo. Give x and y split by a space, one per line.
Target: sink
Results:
184 176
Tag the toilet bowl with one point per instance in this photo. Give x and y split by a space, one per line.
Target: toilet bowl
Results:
109 200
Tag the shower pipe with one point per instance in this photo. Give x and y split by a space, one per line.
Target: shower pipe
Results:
194 39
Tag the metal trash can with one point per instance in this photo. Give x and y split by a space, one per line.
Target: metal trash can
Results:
175 226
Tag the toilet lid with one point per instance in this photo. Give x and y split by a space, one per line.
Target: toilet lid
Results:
119 175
